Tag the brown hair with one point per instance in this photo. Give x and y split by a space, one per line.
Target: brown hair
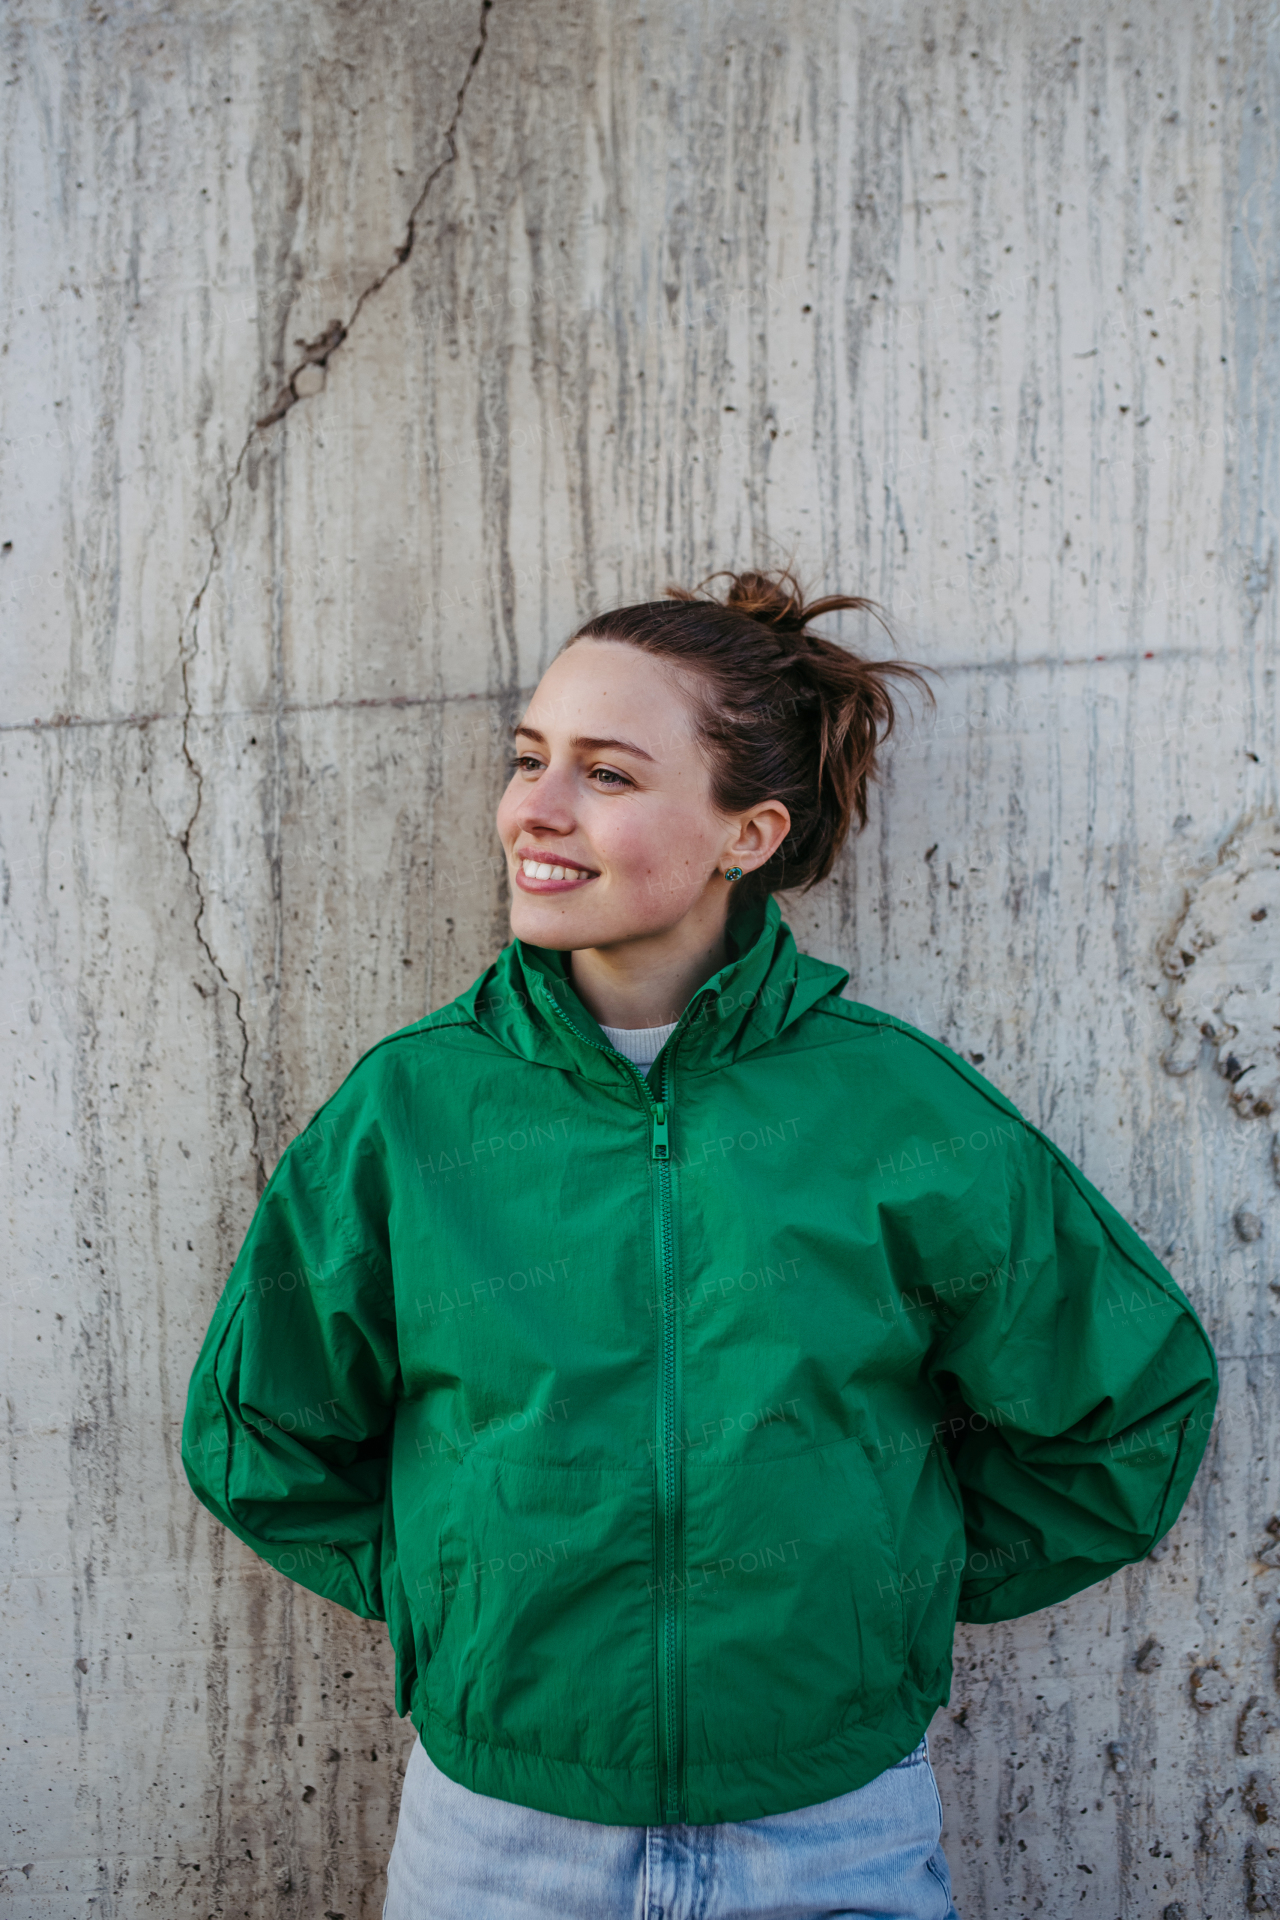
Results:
786 714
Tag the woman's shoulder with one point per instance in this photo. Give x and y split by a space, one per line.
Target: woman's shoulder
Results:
425 1059
905 1054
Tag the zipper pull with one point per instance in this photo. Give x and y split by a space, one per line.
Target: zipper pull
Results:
661 1145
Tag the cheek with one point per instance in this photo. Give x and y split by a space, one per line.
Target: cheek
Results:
669 847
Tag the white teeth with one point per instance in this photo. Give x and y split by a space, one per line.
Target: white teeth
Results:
543 870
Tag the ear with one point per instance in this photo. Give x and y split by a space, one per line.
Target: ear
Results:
757 835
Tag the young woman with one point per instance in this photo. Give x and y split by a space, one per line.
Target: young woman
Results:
670 1349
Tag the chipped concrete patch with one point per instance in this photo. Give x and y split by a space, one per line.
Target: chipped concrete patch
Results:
1224 960
1210 1687
1256 1725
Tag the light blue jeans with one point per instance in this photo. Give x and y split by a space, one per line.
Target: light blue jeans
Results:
874 1852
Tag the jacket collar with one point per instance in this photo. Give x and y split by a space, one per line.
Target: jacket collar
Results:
526 1001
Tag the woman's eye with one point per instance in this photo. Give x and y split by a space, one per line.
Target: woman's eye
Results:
606 777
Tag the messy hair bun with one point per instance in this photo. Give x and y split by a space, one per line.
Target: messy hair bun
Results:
785 713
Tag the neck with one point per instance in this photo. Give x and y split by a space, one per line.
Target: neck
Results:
645 983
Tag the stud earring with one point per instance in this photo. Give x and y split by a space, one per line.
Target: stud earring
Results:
733 873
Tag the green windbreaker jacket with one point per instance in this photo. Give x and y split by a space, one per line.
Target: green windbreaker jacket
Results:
671 1421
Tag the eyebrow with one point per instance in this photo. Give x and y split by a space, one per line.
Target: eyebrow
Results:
589 740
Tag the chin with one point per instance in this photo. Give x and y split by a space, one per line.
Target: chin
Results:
565 931
542 924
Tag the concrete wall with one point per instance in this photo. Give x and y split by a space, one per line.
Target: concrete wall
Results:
972 307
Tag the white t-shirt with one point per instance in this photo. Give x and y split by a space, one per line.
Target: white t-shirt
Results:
640 1045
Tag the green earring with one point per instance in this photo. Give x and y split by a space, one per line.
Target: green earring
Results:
733 873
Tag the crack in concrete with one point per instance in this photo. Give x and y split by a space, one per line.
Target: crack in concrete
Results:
315 353
184 841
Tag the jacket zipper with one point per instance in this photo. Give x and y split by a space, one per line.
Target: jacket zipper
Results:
668 1417
659 1111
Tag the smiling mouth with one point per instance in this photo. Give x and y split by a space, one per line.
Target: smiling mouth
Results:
550 876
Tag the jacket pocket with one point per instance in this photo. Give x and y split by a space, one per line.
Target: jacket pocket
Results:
792 1597
546 1642
922 1484
450 1566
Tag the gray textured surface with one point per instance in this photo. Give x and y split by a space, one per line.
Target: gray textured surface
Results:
973 308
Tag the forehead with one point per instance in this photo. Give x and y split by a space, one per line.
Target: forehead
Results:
605 685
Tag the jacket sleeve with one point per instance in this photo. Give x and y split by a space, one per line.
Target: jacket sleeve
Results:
290 1404
1088 1386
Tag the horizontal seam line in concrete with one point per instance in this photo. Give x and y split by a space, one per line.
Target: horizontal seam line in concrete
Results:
60 720
1126 657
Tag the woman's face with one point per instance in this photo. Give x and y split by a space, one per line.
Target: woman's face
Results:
611 792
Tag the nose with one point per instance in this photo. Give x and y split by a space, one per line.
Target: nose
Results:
546 806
